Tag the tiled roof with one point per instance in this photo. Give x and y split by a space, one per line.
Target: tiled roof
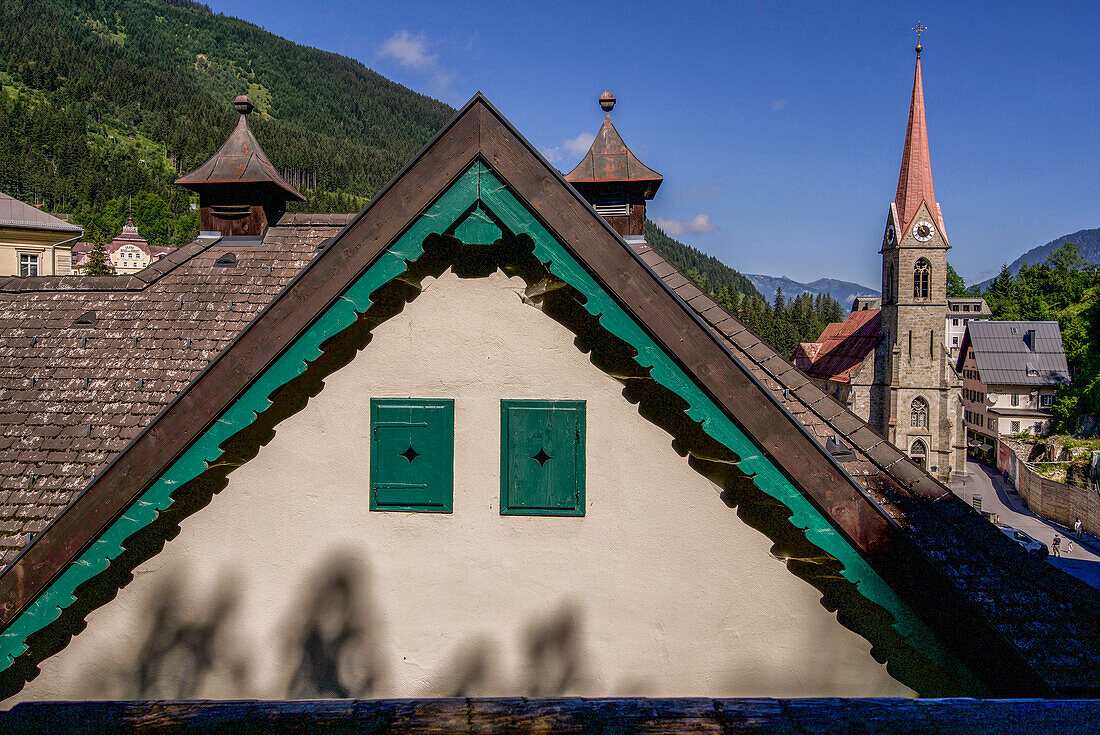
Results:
842 346
14 213
1004 357
915 179
71 396
1049 618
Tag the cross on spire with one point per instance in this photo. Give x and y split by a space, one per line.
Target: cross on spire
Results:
919 29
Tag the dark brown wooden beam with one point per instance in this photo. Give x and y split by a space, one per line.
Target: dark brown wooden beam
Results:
563 716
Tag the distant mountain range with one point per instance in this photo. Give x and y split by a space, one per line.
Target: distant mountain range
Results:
1088 240
843 291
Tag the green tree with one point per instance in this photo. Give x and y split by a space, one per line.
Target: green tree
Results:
955 284
98 264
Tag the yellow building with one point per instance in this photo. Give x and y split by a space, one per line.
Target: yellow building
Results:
33 243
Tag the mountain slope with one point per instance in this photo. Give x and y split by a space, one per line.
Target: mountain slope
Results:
843 291
101 100
1087 240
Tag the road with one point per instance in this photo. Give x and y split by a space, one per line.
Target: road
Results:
998 496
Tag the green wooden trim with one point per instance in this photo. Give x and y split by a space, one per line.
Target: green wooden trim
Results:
441 458
509 503
476 184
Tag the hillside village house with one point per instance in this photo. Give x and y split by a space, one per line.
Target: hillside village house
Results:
471 440
1011 373
32 242
129 252
891 365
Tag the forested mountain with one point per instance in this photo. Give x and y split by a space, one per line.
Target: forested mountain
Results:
844 292
781 322
100 100
1063 288
1087 240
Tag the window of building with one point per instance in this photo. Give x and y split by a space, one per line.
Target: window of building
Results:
1015 399
1046 400
28 264
954 341
412 454
1015 425
922 274
918 413
919 453
542 458
992 424
1032 371
954 322
1038 428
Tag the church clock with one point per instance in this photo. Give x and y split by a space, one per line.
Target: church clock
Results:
923 231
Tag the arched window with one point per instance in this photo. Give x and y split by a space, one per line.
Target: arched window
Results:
922 274
918 452
888 283
918 413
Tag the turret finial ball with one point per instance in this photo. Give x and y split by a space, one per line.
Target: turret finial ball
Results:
243 104
607 101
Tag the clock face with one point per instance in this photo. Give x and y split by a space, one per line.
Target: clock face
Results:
891 236
923 231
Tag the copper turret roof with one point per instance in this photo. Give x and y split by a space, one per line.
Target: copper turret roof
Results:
240 160
915 179
610 161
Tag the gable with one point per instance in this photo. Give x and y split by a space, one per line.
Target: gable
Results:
660 589
476 189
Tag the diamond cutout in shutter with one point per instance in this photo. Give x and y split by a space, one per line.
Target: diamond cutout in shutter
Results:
410 454
542 457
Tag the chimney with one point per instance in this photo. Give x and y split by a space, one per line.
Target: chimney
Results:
1029 339
240 192
613 180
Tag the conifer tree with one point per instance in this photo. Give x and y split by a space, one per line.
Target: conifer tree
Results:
98 264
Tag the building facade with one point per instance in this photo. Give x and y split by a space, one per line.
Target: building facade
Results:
960 311
32 242
129 252
1011 373
896 371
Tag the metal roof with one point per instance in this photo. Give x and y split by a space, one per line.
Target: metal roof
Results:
1004 355
14 213
610 160
240 160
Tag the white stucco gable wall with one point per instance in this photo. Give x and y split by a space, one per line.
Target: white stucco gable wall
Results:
659 590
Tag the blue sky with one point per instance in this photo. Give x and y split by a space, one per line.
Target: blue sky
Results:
778 126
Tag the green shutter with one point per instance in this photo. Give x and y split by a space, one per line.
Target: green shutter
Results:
412 454
542 458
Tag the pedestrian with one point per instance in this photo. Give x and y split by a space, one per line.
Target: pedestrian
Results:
1077 527
1056 547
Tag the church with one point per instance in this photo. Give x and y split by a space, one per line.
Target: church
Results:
889 362
477 440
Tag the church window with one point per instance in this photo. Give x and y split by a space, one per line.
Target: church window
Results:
922 273
918 413
888 282
919 453
542 458
412 454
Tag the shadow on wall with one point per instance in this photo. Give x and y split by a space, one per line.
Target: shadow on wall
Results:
552 663
330 648
335 648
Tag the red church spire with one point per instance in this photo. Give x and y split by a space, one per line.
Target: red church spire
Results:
915 180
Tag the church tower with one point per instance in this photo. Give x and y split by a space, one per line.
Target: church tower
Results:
920 408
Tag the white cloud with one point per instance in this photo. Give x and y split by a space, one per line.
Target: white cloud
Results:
700 224
574 147
579 146
408 50
552 154
779 104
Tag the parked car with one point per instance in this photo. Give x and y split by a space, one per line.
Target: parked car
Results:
1030 545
